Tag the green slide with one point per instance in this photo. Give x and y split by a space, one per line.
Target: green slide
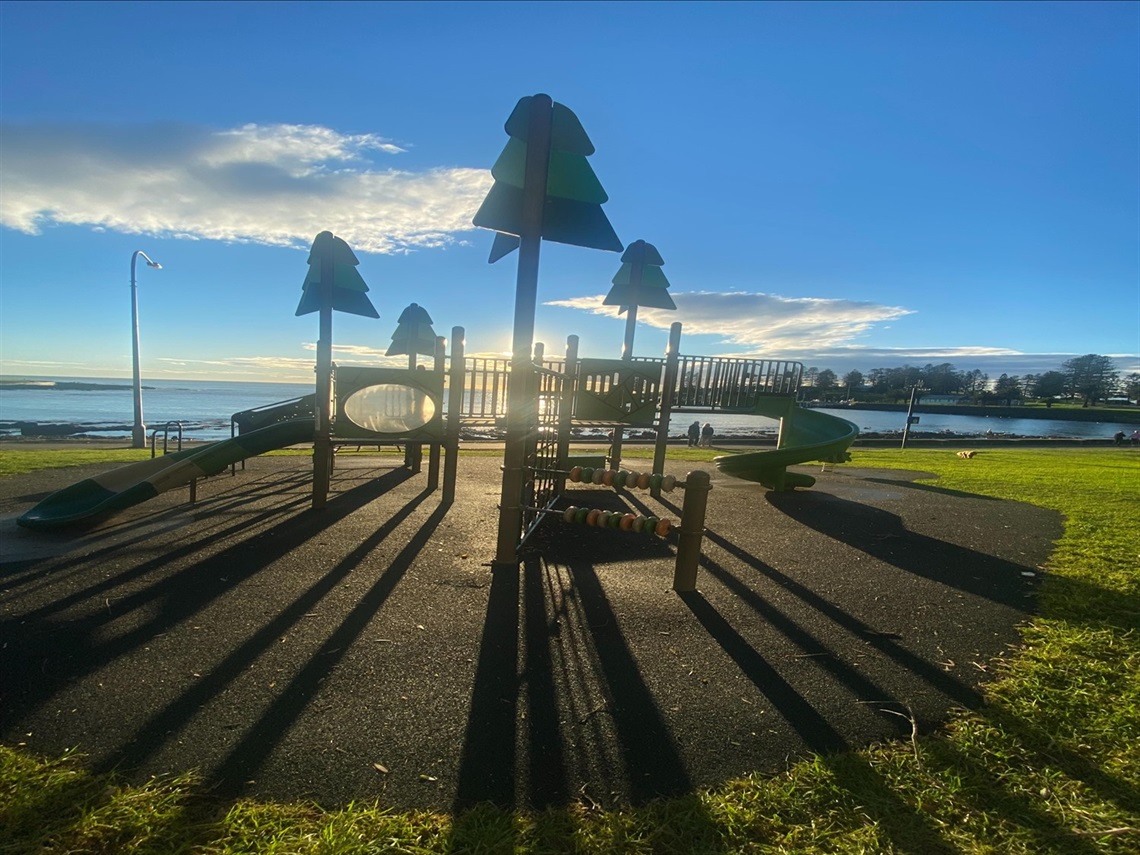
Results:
136 482
805 435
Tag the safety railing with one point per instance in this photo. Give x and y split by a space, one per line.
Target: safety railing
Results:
719 383
165 431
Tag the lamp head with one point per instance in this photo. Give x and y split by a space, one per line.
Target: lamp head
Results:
153 264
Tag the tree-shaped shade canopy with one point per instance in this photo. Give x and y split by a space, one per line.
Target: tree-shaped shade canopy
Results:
347 292
640 280
414 333
572 212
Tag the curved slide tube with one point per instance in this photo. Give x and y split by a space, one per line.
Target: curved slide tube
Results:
134 483
805 435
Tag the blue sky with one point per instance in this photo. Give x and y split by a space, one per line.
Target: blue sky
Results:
850 185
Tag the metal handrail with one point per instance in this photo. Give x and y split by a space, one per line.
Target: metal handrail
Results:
165 430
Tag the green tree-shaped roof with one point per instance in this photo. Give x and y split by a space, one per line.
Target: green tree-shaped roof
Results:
414 333
347 291
640 280
572 213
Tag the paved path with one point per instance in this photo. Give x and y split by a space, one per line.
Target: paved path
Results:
368 651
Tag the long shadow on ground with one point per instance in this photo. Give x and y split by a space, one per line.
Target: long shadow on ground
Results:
46 653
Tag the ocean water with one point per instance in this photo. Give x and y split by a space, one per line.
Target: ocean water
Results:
204 409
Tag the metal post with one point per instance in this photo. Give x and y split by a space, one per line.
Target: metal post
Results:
637 268
456 382
322 436
413 451
138 429
520 407
630 320
697 486
672 359
566 409
909 415
434 447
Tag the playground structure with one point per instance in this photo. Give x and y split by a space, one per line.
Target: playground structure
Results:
544 188
431 406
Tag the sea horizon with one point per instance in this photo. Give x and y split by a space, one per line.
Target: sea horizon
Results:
203 409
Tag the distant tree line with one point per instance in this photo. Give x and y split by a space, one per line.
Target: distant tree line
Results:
1092 378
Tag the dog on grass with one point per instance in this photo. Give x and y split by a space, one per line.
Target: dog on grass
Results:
966 455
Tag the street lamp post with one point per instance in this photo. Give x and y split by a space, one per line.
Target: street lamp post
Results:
138 429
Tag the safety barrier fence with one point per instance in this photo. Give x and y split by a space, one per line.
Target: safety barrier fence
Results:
701 383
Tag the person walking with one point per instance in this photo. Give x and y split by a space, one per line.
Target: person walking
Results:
694 434
706 435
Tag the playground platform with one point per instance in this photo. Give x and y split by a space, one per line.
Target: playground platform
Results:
367 650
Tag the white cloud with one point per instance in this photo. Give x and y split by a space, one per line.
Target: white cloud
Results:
271 184
821 332
772 323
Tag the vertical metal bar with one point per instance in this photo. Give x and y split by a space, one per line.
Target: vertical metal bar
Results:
413 452
454 412
434 448
566 408
672 363
697 486
909 416
322 436
520 402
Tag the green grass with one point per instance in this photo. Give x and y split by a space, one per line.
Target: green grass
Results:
17 461
1050 764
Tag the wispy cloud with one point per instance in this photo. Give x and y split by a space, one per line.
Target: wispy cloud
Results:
769 322
270 184
821 332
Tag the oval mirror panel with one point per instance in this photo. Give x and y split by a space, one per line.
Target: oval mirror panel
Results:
389 408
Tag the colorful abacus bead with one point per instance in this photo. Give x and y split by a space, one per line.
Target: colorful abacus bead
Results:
663 527
615 521
627 521
643 481
580 517
576 474
568 514
619 478
599 476
631 479
668 483
587 474
638 524
592 517
608 477
650 526
603 520
655 481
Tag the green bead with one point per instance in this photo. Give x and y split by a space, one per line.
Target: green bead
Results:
655 482
580 517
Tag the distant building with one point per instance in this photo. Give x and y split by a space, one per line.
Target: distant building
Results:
941 399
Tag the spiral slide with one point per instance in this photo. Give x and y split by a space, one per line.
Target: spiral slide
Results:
136 482
805 435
